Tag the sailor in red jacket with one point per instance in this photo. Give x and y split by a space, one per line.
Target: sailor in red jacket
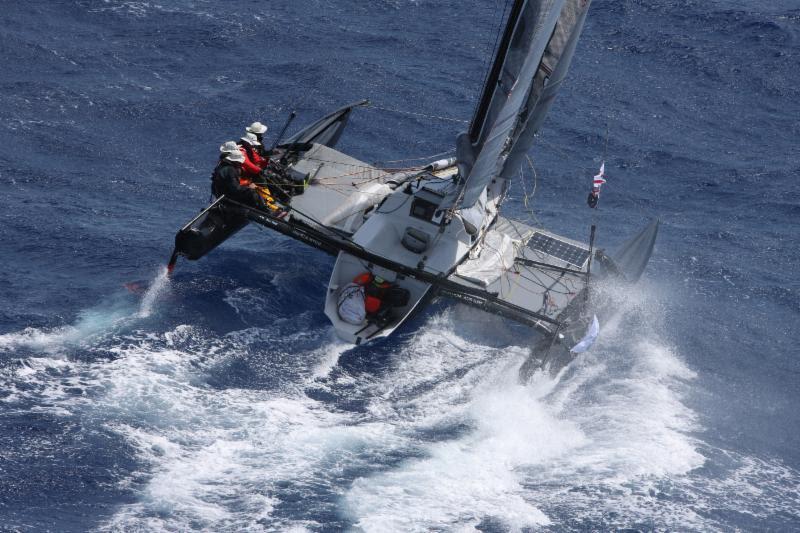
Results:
254 163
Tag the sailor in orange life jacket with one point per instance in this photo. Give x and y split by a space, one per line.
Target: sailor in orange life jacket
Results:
375 289
258 129
252 166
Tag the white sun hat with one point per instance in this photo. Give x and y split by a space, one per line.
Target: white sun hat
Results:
235 157
257 128
251 139
229 147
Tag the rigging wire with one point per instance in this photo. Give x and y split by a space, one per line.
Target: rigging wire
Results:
486 66
411 113
425 158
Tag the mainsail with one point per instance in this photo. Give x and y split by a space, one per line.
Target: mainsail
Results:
531 62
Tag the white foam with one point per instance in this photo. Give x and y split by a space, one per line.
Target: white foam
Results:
38 339
328 355
245 301
608 429
216 456
91 323
460 482
471 443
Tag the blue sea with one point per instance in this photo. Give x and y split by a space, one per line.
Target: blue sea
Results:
220 399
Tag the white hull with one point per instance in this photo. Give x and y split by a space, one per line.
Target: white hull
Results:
346 269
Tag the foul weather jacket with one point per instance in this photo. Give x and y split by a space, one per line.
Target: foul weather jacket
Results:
255 155
251 167
225 180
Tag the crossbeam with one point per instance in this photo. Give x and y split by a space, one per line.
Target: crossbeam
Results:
333 243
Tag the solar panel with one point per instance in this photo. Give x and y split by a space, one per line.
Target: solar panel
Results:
574 255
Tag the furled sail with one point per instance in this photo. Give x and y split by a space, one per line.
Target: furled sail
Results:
326 130
531 62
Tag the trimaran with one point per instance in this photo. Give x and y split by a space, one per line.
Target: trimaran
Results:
437 230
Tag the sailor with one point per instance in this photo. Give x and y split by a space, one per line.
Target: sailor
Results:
258 129
254 163
375 289
227 178
278 183
227 148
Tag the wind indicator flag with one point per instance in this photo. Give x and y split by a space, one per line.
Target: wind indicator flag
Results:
597 182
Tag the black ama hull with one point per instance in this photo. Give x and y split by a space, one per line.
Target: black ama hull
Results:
208 230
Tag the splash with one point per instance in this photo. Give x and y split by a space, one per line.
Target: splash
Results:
329 355
91 325
466 481
153 292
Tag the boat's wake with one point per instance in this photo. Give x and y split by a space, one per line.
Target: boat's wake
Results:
259 428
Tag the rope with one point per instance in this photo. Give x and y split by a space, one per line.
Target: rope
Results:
380 175
365 167
424 158
529 209
401 112
527 198
369 168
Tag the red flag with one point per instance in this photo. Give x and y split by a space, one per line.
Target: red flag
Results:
599 179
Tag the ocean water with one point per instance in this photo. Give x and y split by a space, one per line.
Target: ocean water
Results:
220 400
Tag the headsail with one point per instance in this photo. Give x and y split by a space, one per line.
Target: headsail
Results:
326 130
531 62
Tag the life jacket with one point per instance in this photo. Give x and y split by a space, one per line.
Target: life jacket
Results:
266 195
374 290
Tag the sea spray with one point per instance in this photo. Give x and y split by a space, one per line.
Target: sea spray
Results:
96 321
91 324
152 293
328 355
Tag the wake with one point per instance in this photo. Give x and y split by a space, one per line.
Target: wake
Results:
441 435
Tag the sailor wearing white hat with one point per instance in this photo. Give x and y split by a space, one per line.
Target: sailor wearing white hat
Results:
255 163
229 180
228 147
235 157
259 130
